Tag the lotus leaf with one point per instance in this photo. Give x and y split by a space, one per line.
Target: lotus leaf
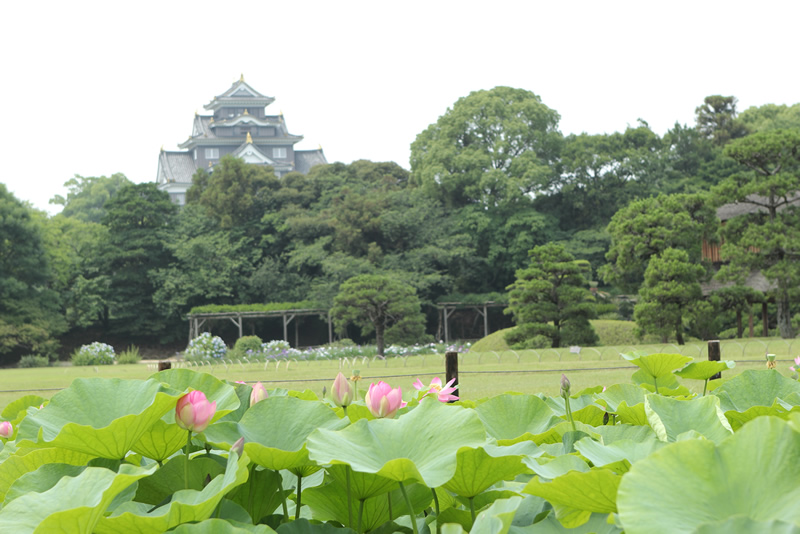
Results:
221 526
659 365
754 388
616 394
753 474
705 370
747 525
275 431
98 416
329 503
554 468
514 418
738 419
497 518
479 469
16 466
74 504
671 417
632 451
420 445
186 505
576 495
597 524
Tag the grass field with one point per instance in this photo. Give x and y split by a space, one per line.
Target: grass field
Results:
481 374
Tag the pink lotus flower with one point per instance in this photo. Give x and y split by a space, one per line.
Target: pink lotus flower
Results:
435 388
797 361
238 447
6 430
341 391
382 400
258 394
193 411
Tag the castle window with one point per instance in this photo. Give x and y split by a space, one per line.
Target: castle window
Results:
212 153
279 153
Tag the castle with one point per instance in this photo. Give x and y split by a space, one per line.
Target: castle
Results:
238 125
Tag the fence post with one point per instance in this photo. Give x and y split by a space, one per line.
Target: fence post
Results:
714 355
164 365
451 369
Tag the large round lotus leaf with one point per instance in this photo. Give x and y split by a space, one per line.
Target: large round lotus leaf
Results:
98 416
221 526
215 390
705 370
161 440
555 434
659 365
420 445
513 418
42 479
575 495
632 451
16 411
559 405
738 419
329 503
597 524
631 415
17 465
74 504
186 506
555 467
746 525
627 393
275 430
754 388
497 518
611 433
479 469
670 418
362 485
753 473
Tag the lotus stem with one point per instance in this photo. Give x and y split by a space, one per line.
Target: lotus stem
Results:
705 387
436 505
299 492
360 514
410 508
349 497
389 500
252 489
283 500
186 465
569 417
472 508
655 383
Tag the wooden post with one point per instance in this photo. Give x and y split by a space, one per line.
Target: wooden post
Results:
163 366
764 319
330 328
451 368
750 321
714 355
485 321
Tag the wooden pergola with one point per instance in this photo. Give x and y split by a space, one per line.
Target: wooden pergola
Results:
446 309
197 320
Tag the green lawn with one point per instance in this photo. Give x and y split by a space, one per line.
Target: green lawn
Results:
482 374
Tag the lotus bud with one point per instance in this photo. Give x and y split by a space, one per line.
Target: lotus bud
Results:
565 386
6 430
382 400
258 394
771 361
341 391
238 447
193 411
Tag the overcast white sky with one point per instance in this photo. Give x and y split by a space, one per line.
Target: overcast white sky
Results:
94 88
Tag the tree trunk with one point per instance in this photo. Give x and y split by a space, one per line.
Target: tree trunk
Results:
784 315
380 326
679 332
739 328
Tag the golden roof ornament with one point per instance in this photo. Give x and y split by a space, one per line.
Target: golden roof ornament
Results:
245 112
241 78
195 113
249 139
210 165
162 148
319 147
212 120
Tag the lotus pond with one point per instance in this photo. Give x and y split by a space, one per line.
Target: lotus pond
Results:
186 452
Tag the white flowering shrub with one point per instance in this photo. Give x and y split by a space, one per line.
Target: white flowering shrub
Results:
205 347
94 354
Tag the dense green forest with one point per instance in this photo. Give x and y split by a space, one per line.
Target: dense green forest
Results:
497 202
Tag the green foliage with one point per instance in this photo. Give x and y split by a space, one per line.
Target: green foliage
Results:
771 117
245 343
647 227
33 360
94 354
88 195
268 307
766 239
491 147
550 299
129 356
382 304
716 119
671 287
